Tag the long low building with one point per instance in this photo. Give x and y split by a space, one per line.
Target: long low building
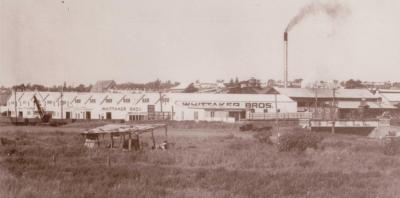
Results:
148 106
342 103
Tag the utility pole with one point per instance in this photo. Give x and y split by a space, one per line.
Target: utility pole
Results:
15 104
161 107
276 112
334 111
316 100
61 101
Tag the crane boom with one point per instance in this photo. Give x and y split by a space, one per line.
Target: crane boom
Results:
45 117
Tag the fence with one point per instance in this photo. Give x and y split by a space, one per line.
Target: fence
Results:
351 123
283 116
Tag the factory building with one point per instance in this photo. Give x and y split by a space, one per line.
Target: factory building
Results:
148 106
348 104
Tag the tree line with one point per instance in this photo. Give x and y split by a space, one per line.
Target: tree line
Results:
152 85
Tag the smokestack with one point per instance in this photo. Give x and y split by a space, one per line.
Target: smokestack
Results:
285 59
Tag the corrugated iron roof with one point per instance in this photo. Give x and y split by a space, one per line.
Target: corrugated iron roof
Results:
356 105
392 97
327 93
230 97
124 128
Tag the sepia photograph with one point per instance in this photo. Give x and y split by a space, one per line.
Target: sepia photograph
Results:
199 98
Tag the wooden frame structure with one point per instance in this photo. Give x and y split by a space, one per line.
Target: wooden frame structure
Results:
130 131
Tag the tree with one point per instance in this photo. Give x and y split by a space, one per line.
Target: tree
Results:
353 84
270 82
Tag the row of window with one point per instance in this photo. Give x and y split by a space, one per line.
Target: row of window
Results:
107 100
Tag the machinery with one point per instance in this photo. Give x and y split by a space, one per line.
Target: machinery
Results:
44 116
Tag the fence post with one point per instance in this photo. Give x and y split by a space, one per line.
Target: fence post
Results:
53 158
130 142
108 159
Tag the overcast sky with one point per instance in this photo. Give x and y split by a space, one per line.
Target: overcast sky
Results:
81 41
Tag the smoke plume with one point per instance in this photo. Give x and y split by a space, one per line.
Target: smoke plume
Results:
333 10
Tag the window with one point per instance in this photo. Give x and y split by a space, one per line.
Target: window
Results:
77 100
265 110
92 100
252 110
196 115
136 117
145 100
212 114
108 100
126 100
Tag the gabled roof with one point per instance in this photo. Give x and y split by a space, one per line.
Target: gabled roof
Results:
325 93
103 85
391 97
181 86
230 97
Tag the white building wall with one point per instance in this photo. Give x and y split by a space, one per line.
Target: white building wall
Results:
122 105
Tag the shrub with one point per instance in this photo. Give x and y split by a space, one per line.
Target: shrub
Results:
299 141
391 147
263 137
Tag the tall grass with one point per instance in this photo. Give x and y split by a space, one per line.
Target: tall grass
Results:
223 166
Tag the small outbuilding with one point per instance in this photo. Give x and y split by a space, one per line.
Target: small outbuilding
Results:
124 136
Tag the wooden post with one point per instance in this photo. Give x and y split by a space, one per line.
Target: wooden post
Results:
108 159
152 137
129 142
123 141
54 159
98 141
137 142
112 140
166 133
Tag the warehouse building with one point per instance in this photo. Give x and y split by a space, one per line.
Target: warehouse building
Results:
148 106
349 103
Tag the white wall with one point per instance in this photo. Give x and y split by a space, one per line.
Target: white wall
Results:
121 105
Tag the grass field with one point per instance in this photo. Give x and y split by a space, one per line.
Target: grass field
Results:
203 162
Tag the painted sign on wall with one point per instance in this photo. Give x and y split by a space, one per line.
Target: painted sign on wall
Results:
227 105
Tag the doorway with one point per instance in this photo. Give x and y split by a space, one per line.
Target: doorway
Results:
88 115
108 116
67 115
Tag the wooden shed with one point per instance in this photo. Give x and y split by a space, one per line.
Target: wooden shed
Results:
124 136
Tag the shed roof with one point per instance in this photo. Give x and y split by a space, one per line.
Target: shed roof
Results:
231 97
391 97
371 105
124 128
326 93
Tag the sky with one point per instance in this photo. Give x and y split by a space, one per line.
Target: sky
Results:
82 41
